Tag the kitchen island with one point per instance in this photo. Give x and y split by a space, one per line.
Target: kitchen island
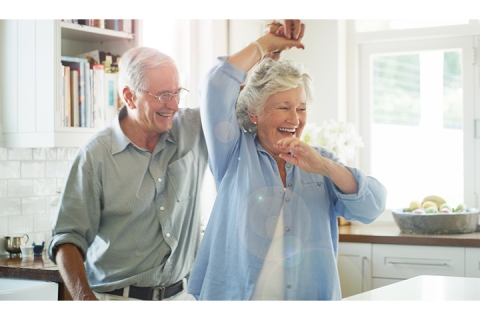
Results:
424 288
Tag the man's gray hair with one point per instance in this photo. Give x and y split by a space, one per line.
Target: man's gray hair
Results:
134 65
268 78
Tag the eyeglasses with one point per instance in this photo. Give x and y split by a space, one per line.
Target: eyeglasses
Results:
167 97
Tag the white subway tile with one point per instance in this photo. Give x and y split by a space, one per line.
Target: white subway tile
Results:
41 223
20 224
3 189
56 169
3 153
45 154
33 169
33 205
71 153
3 227
20 154
62 154
44 187
10 206
20 188
60 184
9 169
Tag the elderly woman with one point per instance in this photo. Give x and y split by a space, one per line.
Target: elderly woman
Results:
272 234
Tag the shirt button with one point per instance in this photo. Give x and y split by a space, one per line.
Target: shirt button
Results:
159 179
289 286
287 257
168 260
288 165
289 184
162 208
168 235
319 183
288 199
287 229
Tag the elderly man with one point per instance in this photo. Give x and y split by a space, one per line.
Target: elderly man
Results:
128 225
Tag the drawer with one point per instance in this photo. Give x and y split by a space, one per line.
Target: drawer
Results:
407 261
472 262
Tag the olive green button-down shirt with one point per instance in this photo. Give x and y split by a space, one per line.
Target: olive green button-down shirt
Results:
135 214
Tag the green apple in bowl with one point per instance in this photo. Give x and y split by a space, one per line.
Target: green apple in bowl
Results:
460 208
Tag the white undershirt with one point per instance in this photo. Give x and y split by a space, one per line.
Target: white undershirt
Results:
271 281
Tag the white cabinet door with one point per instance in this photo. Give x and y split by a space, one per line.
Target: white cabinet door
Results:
472 262
407 261
354 267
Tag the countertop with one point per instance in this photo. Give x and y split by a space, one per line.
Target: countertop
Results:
41 268
424 288
33 268
389 233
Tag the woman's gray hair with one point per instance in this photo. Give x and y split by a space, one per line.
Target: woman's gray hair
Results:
268 78
134 65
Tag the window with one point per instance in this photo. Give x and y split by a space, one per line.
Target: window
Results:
417 118
379 24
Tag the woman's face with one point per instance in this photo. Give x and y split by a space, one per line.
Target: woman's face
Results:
284 115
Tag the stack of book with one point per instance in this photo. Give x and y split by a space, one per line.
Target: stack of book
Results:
89 95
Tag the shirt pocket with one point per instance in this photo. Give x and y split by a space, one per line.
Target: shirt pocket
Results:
182 177
315 190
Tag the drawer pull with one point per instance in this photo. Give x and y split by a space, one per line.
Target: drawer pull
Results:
438 264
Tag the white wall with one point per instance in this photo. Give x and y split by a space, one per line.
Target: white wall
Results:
30 182
325 58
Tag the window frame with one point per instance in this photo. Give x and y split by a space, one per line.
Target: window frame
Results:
413 40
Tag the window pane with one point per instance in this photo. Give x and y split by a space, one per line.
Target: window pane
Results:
381 25
417 136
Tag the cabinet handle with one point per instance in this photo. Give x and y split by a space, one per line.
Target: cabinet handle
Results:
436 264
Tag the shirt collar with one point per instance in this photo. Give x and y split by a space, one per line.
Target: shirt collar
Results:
121 141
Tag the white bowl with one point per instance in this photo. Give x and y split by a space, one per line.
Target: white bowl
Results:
27 251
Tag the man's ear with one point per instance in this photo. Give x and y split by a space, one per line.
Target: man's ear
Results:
128 95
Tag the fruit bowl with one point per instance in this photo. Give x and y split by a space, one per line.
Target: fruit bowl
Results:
439 223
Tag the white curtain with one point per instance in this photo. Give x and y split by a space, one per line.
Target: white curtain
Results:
193 44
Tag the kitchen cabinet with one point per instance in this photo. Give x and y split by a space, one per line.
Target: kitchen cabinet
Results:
472 262
354 267
30 78
393 263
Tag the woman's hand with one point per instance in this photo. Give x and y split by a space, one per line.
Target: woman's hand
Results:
290 29
302 155
274 40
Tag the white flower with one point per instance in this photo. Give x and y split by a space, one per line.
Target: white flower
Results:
338 137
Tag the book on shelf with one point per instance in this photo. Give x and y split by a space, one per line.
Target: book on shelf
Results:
114 24
111 96
74 110
65 114
98 95
88 97
128 25
80 65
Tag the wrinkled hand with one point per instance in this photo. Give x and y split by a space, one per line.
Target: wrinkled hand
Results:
302 155
290 29
276 39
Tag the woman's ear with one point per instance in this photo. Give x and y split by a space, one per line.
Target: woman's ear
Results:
128 95
253 119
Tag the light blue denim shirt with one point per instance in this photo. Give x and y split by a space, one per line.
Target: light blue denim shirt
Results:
249 200
134 214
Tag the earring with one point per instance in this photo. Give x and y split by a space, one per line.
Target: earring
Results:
255 123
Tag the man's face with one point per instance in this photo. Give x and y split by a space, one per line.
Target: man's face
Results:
152 115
